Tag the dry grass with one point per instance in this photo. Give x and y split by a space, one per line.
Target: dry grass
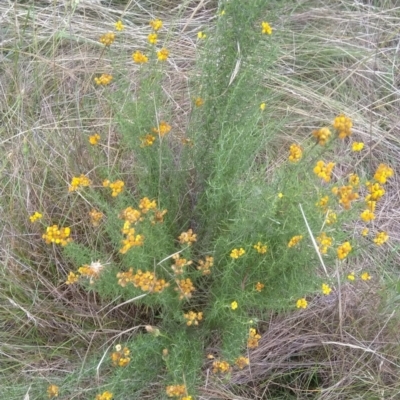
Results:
336 57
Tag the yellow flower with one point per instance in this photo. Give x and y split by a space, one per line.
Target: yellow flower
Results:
193 318
351 276
117 187
34 217
259 286
357 146
120 357
156 24
261 248
162 129
294 240
365 276
222 13
187 237
241 362
343 125
365 232
57 235
343 250
382 173
324 242
52 391
295 153
198 101
354 180
147 140
72 278
146 205
263 106
381 238
236 253
324 171
322 135
254 337
104 79
107 39
221 366
323 203
152 38
302 303
119 26
331 217
185 288
326 289
139 58
367 215
162 55
234 305
104 396
266 28
280 195
94 139
201 35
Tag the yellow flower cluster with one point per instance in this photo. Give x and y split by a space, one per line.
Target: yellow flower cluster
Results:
343 250
158 216
185 288
351 276
302 303
326 289
163 54
383 173
376 191
78 182
95 217
261 248
34 217
331 217
146 281
346 195
354 180
103 79
381 238
324 242
367 215
236 253
156 24
222 367
323 203
343 125
117 187
242 362
259 286
266 28
254 337
322 135
205 266
146 205
107 39
120 357
294 240
365 276
104 396
94 139
193 318
131 240
187 237
53 391
57 235
152 38
179 263
324 171
147 140
139 58
295 153
201 35
163 128
357 146
130 215
234 305
176 390
119 26
91 271
198 101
